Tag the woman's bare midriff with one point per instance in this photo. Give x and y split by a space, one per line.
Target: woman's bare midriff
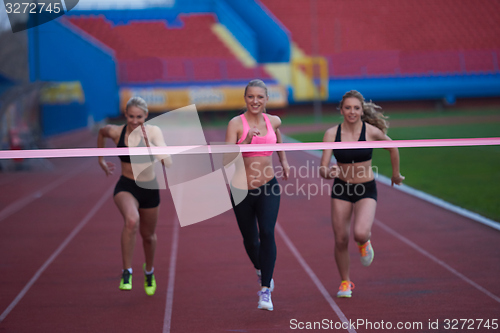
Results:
146 171
259 171
356 173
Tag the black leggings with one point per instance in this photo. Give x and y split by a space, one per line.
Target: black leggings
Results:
261 204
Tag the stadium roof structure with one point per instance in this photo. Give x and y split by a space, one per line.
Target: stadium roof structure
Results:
122 4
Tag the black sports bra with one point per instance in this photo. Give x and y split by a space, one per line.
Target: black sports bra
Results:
352 155
126 158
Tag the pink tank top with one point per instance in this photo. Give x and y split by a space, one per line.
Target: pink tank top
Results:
270 137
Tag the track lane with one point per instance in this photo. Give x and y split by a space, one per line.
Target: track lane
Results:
79 292
215 285
400 277
29 236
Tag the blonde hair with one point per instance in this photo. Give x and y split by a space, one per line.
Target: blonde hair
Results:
371 113
256 83
137 102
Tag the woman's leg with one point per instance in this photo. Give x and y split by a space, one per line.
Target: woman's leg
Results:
341 221
364 214
149 219
246 218
128 207
267 214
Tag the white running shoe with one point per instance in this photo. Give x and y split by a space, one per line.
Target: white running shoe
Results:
367 253
265 302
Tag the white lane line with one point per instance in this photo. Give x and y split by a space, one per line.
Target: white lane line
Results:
419 194
314 278
167 319
19 204
436 260
76 230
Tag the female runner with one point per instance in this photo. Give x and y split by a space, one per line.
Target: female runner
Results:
138 199
354 192
257 213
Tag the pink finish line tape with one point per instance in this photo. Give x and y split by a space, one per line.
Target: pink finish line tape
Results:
204 149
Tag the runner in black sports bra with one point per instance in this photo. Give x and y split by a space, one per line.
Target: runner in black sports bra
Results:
354 191
352 155
138 201
342 189
126 158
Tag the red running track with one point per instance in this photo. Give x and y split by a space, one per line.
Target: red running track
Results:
60 262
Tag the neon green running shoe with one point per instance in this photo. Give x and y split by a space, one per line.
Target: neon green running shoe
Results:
149 283
126 281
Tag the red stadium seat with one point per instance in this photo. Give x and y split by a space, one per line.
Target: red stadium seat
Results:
150 51
417 28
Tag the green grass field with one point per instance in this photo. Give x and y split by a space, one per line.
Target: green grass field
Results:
218 120
468 177
335 117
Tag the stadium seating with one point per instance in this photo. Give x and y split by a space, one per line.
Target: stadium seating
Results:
441 36
101 29
358 38
151 51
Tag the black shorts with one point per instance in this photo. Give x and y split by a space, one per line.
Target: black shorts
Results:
353 192
147 197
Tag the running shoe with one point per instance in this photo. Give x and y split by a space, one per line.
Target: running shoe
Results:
149 282
265 302
367 253
126 281
259 275
345 289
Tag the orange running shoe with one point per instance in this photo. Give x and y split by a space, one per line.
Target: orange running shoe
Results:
367 253
345 289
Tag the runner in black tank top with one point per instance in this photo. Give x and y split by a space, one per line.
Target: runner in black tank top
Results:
138 202
354 191
352 155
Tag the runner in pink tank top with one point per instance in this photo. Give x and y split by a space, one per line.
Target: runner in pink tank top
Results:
257 213
270 137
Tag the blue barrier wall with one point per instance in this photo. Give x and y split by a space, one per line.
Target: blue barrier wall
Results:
57 119
239 29
56 53
272 39
5 84
418 88
194 6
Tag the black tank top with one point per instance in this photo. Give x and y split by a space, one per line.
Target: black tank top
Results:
126 158
352 155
